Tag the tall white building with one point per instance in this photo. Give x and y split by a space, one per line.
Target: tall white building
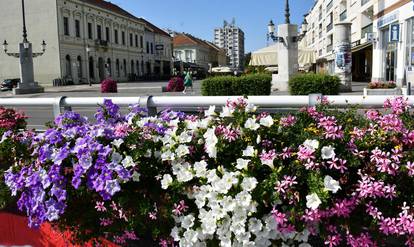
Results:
231 38
119 44
320 35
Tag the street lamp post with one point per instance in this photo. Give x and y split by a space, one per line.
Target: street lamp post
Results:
27 84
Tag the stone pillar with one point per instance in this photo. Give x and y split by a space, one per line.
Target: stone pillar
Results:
27 83
287 53
343 55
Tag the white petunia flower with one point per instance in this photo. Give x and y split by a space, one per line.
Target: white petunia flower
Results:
211 111
191 236
135 176
187 221
249 151
166 181
210 143
191 125
244 199
182 150
167 155
255 225
311 144
175 234
118 142
200 169
226 112
186 137
249 183
242 164
184 173
328 152
267 121
331 184
313 201
228 203
251 124
128 162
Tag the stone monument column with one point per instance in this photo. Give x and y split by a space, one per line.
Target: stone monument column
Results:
343 55
287 48
27 83
287 56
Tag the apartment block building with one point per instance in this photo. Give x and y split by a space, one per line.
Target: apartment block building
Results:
231 38
320 34
86 39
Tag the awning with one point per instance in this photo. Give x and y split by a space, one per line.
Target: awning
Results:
222 70
360 47
268 57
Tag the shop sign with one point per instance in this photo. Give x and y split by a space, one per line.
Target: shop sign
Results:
357 43
387 19
159 47
395 32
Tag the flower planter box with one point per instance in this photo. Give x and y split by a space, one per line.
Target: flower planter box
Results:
382 91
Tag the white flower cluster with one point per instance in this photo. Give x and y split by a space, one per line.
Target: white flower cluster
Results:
223 216
226 210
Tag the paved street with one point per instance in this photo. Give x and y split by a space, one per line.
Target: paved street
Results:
38 116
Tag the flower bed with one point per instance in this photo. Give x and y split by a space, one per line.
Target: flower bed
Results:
382 85
175 84
234 178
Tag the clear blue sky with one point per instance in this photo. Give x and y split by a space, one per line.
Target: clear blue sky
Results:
200 17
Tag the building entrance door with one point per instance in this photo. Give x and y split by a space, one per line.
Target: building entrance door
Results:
390 65
390 56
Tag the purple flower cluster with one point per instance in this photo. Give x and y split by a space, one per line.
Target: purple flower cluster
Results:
73 154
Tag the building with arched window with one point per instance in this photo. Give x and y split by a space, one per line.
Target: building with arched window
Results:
86 40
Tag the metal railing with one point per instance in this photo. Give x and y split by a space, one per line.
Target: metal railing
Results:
363 2
59 104
329 27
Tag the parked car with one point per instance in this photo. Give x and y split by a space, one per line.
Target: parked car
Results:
9 84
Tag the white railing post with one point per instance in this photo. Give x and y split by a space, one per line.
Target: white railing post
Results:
58 104
314 99
146 102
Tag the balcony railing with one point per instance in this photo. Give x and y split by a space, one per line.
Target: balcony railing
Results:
363 2
343 15
329 6
329 48
329 27
100 42
365 30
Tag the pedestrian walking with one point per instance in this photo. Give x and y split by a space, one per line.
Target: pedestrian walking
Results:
188 82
